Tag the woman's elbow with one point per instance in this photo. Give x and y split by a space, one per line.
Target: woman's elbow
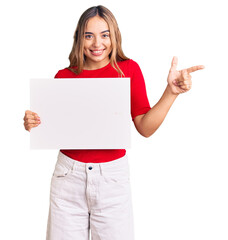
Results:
148 134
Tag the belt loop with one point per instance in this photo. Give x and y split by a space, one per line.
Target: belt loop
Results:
74 167
101 169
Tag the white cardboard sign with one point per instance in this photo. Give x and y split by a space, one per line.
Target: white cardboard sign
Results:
81 113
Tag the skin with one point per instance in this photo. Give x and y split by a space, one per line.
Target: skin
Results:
179 81
97 47
31 120
97 37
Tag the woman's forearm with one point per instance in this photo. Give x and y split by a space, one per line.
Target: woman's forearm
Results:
156 115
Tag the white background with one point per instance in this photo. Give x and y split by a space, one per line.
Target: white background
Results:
179 175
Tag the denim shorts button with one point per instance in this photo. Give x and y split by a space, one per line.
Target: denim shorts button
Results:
90 168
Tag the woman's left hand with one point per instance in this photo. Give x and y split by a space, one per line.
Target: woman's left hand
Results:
181 81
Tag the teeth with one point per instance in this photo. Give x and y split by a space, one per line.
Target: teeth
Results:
98 51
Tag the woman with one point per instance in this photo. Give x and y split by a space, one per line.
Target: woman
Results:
90 189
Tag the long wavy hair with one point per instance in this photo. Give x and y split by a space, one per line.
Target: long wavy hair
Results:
77 56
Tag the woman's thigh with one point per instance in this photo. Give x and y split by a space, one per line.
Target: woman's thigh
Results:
111 208
68 212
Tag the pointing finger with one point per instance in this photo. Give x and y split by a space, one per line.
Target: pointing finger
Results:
184 72
195 68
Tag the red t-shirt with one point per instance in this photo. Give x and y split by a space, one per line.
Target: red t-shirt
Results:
139 105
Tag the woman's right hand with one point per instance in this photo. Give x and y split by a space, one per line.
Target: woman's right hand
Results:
31 119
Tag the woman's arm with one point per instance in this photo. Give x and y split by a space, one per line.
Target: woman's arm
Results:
148 123
178 82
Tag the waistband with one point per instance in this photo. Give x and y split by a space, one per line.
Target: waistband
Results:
114 165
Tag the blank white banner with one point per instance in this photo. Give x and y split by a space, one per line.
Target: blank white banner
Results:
81 113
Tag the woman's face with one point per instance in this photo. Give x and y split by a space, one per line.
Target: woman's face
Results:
97 43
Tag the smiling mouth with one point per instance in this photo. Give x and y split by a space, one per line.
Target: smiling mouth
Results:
97 52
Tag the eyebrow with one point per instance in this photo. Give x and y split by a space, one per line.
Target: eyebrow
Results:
101 32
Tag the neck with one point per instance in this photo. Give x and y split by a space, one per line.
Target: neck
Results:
95 65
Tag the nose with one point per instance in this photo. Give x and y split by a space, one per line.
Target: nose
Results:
97 42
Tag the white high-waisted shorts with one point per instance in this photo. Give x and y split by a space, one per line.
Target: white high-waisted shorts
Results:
90 199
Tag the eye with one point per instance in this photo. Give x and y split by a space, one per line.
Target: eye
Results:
88 36
105 35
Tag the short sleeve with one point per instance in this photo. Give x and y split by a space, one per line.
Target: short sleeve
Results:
58 74
139 100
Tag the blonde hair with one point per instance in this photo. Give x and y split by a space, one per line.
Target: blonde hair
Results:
77 57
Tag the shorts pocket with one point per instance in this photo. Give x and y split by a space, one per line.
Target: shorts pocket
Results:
118 177
61 171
